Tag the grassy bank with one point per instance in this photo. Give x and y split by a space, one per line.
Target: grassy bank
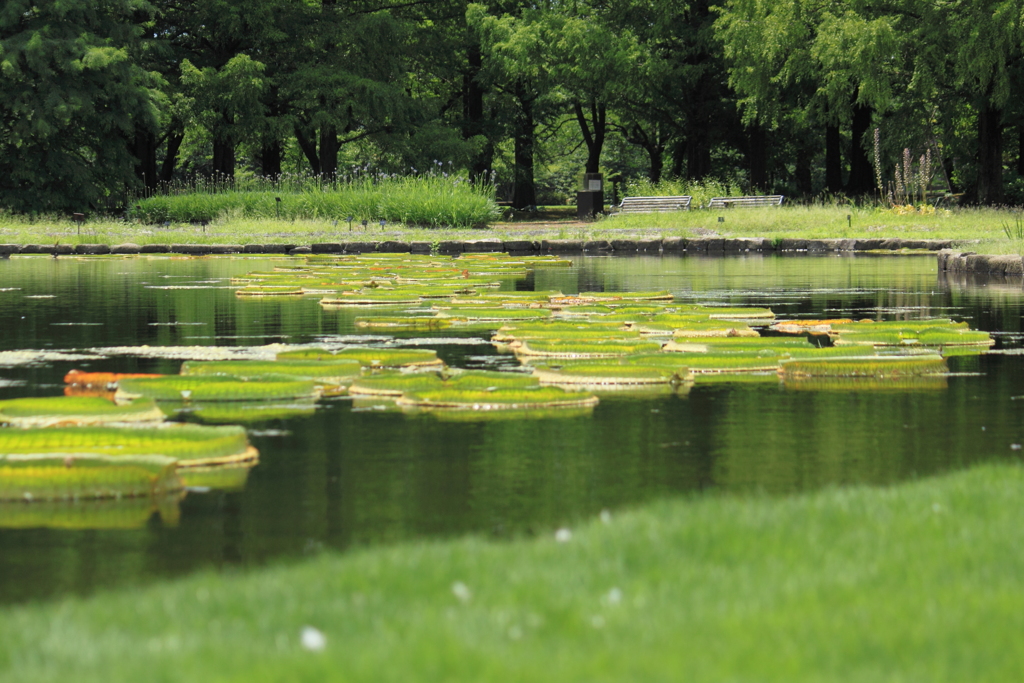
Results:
429 200
980 229
921 582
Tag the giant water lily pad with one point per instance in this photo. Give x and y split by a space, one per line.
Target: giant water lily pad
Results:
606 374
583 349
395 384
808 326
74 410
239 412
269 290
69 475
220 478
873 384
370 357
192 445
498 399
98 513
213 388
336 372
495 315
878 366
403 324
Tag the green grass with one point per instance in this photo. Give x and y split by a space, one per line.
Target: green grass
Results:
981 230
920 582
430 200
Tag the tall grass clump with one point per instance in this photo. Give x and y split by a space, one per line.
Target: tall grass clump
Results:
434 199
702 191
1015 232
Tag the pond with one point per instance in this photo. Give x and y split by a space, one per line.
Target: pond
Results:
345 476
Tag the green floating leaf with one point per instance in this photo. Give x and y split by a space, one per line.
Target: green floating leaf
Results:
721 328
566 336
570 349
498 399
506 298
499 315
878 367
944 336
203 388
555 329
759 377
394 384
240 412
489 380
406 324
68 475
193 445
75 410
661 295
873 384
742 313
702 363
596 374
895 325
221 478
102 513
390 358
269 290
382 299
766 345
507 415
337 372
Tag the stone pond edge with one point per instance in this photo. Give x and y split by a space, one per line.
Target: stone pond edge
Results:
708 245
969 262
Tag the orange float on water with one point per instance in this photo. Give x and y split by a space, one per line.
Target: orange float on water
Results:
101 379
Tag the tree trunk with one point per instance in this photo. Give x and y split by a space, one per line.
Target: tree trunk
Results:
329 152
145 158
473 112
678 158
656 153
803 170
174 141
757 157
1020 150
833 160
990 155
308 147
224 159
698 156
524 192
862 175
593 133
270 159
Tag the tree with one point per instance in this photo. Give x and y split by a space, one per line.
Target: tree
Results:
71 102
831 65
227 103
516 64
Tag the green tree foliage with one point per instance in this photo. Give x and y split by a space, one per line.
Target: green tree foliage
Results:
71 98
100 97
226 102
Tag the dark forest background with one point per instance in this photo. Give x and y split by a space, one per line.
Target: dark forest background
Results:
102 98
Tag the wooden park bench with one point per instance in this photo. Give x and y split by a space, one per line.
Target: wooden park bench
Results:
651 204
745 202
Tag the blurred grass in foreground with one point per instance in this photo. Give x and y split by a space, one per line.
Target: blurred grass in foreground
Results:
923 581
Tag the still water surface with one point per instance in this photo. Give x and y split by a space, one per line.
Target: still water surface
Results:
346 477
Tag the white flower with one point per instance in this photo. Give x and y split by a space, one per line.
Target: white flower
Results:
461 591
563 535
312 639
